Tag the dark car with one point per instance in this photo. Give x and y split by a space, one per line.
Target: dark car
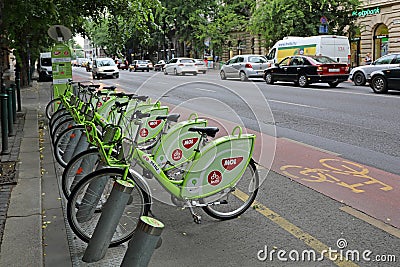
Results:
122 64
159 66
383 80
304 70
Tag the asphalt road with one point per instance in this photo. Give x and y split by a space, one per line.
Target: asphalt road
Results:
289 217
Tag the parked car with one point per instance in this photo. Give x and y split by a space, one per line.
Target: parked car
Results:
304 70
104 67
201 66
139 65
360 75
122 64
150 64
180 66
244 67
159 66
383 80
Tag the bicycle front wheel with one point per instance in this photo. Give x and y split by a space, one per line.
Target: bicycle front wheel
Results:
78 167
89 197
235 202
52 107
66 143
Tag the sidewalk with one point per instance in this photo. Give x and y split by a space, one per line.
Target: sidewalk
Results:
23 242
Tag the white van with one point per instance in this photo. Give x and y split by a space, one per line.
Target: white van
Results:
335 47
44 68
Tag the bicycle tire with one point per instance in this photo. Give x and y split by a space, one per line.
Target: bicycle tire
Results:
66 123
77 168
63 144
248 186
138 205
51 107
58 116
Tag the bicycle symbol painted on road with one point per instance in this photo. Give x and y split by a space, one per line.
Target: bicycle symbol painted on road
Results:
332 169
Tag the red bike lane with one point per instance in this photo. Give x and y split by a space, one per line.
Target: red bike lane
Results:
365 188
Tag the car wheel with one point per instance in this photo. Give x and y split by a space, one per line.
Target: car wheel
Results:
359 78
165 72
302 80
268 78
204 72
243 76
333 84
379 84
148 70
175 72
222 74
116 76
195 73
130 70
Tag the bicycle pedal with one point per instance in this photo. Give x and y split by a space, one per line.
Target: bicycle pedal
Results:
197 218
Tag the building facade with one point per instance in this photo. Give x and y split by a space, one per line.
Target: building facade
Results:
379 34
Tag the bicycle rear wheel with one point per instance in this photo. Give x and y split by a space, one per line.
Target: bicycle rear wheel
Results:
88 198
238 199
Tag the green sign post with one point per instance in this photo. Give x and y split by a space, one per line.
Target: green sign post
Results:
61 66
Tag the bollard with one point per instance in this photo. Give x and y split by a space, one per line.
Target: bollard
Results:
4 124
14 102
10 113
108 222
18 89
143 243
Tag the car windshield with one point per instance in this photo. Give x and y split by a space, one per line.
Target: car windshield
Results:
187 61
323 60
257 59
105 62
142 62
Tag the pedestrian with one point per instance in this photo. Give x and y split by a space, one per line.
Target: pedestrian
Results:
206 62
368 59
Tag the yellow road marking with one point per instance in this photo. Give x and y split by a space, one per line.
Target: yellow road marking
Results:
308 239
379 224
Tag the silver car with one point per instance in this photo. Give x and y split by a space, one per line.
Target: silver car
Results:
361 74
244 67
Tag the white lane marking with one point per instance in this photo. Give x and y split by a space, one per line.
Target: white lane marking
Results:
288 103
345 92
207 90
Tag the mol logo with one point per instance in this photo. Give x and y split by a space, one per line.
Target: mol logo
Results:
231 163
154 124
188 143
143 132
214 178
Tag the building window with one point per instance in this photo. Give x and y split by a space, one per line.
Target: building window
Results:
381 41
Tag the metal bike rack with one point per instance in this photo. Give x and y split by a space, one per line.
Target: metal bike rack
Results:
108 222
143 243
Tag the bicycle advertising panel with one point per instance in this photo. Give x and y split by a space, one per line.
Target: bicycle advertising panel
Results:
221 163
178 144
61 67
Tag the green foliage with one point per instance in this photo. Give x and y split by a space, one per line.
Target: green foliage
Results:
275 19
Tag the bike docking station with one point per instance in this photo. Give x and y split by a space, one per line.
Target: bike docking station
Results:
108 222
146 238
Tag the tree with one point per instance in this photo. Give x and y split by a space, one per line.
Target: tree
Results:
275 19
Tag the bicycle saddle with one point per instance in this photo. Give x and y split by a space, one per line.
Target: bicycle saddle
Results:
171 117
210 131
